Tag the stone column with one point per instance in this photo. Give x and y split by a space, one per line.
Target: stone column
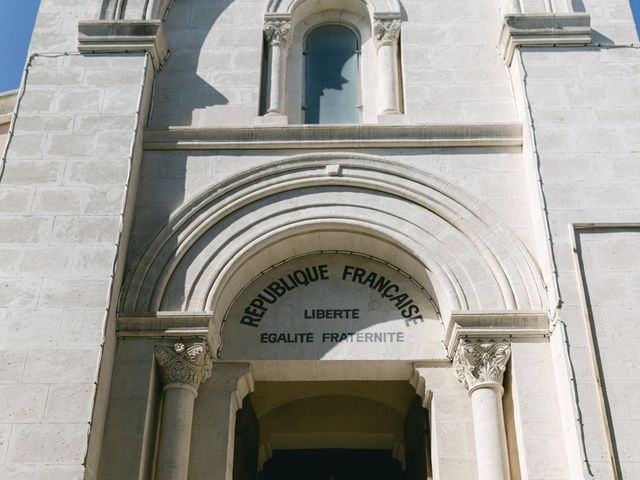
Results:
277 33
386 32
480 367
184 366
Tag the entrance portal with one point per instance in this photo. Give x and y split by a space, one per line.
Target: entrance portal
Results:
332 430
332 464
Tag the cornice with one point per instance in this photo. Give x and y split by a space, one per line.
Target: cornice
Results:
110 36
175 325
334 136
543 30
495 324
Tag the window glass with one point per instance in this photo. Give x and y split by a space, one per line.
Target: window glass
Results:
332 83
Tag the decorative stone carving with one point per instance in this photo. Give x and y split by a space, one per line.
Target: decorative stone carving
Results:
184 364
386 30
277 32
481 364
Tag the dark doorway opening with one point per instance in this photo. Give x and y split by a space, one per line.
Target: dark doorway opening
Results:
332 464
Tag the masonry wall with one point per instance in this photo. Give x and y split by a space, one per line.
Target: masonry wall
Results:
584 103
63 191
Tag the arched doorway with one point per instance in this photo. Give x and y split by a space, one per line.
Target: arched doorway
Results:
332 430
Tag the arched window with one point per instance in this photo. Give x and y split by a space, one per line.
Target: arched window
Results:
332 76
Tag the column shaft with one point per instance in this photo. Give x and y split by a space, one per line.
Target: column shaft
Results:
386 32
175 434
490 437
276 83
388 86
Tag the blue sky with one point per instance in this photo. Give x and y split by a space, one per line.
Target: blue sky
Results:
16 24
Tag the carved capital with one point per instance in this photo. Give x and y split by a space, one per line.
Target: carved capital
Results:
386 31
184 364
481 363
277 32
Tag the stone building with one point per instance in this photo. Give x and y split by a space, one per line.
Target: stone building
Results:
383 239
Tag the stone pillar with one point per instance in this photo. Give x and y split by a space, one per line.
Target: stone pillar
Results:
480 367
214 428
277 33
184 366
386 32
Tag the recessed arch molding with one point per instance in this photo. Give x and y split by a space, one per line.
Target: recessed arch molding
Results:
232 231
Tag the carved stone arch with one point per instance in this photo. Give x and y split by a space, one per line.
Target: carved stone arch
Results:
134 10
434 231
375 7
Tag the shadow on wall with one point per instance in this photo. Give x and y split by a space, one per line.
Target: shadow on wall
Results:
178 84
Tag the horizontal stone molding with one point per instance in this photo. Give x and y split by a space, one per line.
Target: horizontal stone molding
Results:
333 136
167 325
111 36
7 104
495 324
543 30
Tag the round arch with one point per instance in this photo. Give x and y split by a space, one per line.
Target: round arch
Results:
429 228
376 8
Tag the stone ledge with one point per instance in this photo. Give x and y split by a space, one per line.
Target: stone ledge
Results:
124 36
543 29
7 105
167 325
334 136
495 324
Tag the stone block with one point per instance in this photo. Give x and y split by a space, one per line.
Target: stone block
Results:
10 258
25 229
12 363
27 145
27 122
102 172
5 433
15 200
46 261
78 100
75 293
33 173
113 77
16 473
39 100
103 122
83 327
22 403
114 143
59 200
21 293
69 403
120 100
79 229
24 327
48 444
75 145
105 200
64 364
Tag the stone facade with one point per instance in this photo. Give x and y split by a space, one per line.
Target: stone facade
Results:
192 280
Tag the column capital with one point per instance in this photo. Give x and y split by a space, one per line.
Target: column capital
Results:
481 363
386 31
277 32
185 364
